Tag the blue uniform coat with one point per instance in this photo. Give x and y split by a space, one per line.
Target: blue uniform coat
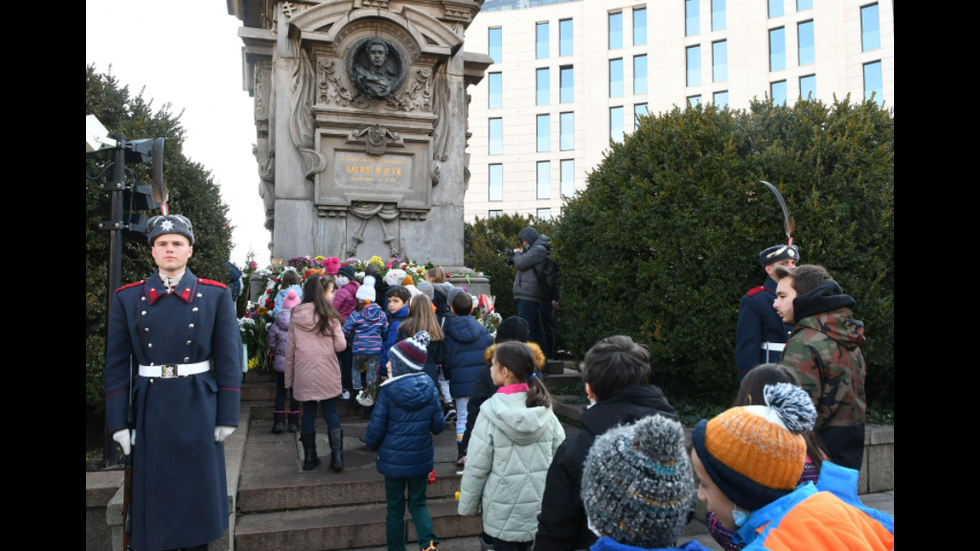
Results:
405 416
758 322
180 497
466 341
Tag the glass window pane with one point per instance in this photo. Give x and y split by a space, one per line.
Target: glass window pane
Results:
721 99
566 45
694 66
544 133
808 87
694 101
496 136
775 8
872 82
639 110
804 5
719 61
567 131
567 178
496 182
495 213
640 74
543 87
778 92
718 15
541 40
692 16
777 49
639 27
615 31
544 214
806 43
495 45
544 180
496 91
615 78
567 85
870 37
616 124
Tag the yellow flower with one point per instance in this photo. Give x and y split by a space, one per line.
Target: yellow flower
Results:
318 258
261 310
253 363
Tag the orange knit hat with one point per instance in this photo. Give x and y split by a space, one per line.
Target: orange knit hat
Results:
408 281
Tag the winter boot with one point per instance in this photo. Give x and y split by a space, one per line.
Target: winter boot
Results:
278 417
293 421
337 450
449 411
310 459
461 460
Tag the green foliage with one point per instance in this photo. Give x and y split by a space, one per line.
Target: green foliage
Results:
193 193
486 242
665 239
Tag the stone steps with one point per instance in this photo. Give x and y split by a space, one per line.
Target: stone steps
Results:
262 409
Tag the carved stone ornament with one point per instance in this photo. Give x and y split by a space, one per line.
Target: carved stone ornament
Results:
376 67
418 97
376 138
386 213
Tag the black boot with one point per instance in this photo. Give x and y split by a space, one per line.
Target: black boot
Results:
293 417
310 459
460 461
278 417
337 450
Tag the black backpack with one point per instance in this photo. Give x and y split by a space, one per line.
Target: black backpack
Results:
547 274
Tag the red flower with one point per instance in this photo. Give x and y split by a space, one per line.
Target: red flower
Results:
277 279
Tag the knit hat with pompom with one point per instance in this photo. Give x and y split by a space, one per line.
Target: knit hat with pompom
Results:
409 355
292 299
366 290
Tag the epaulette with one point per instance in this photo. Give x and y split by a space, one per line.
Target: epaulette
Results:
755 291
134 284
212 282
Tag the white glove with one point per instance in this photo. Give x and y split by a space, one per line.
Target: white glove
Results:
122 436
222 432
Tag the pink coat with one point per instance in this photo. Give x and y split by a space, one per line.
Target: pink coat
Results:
345 299
311 366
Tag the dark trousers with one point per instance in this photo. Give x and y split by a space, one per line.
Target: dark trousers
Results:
329 414
844 445
346 359
395 521
548 327
501 545
281 394
531 313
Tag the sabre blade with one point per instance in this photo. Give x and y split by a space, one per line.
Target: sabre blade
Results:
787 219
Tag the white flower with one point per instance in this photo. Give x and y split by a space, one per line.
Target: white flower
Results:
359 276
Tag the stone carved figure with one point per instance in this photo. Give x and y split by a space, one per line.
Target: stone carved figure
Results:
376 68
386 213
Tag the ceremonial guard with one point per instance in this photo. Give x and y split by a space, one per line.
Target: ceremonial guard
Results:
761 334
164 331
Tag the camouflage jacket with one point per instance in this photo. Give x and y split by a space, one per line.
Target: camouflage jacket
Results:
824 351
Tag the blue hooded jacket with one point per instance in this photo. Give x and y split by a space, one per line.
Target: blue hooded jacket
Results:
405 416
396 320
466 340
607 544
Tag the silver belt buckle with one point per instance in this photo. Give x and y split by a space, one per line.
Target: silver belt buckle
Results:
168 371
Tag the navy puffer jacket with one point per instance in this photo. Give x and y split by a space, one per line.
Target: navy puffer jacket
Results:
466 340
405 416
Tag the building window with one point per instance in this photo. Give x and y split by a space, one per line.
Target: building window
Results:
872 82
639 110
718 15
496 182
615 30
721 99
541 41
543 87
775 8
567 78
495 214
778 92
566 44
804 5
496 91
693 101
777 49
805 34
495 40
544 180
615 78
616 124
640 74
639 26
808 87
692 17
719 61
694 66
567 124
544 214
870 37
544 133
496 136
567 178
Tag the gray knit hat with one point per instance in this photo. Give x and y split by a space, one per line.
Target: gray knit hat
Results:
426 288
637 483
453 291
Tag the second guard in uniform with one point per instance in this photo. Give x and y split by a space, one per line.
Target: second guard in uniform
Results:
170 326
761 335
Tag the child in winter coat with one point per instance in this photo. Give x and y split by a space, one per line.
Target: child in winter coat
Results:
513 443
288 281
752 392
398 298
345 301
637 487
367 325
277 345
406 414
422 317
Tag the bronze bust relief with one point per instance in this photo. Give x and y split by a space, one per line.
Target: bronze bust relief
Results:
376 67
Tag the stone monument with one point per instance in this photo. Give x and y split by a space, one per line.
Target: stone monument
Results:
360 114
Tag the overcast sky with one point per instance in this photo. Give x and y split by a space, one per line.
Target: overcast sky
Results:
188 53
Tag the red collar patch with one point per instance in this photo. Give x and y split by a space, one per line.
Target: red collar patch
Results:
186 294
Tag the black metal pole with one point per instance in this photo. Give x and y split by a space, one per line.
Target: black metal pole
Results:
117 183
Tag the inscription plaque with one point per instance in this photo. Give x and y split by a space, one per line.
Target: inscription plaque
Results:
376 172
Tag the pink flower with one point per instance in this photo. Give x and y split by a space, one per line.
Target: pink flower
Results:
253 264
388 265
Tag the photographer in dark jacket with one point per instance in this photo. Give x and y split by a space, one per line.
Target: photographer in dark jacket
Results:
615 372
527 289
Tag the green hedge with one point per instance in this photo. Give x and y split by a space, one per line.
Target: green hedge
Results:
665 240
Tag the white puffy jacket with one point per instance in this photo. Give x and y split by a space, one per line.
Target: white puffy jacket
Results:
507 463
